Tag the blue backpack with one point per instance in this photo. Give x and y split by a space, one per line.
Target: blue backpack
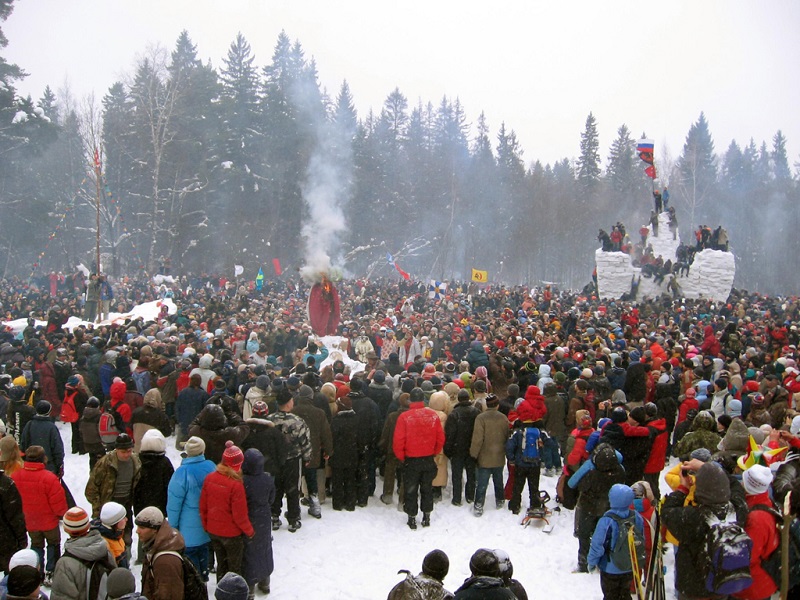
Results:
728 549
530 446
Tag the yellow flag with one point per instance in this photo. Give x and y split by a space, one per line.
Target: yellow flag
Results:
480 276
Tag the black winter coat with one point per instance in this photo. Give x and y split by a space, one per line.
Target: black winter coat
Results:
151 489
369 424
635 387
259 488
688 525
484 588
19 413
41 431
595 485
267 439
345 433
212 427
635 450
458 430
13 535
382 396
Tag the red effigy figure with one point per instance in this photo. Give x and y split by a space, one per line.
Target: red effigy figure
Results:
323 307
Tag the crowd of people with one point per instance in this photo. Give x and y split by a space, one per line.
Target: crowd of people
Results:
500 384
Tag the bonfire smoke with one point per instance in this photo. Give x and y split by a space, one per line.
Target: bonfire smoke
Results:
326 190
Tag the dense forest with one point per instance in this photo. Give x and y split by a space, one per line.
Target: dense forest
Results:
245 163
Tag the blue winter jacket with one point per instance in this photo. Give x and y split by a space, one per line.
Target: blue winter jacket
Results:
605 534
183 499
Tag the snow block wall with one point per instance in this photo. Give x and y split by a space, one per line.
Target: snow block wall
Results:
710 276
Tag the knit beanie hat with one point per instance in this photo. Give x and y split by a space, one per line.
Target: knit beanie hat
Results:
195 446
112 513
153 441
492 401
756 480
43 407
76 521
436 564
23 581
711 485
484 563
233 456
691 393
232 587
24 557
262 382
150 517
703 454
794 429
305 392
123 442
120 582
260 409
619 415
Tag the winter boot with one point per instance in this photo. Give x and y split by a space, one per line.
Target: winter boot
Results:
478 509
263 585
500 504
314 510
412 522
386 498
276 523
48 579
294 525
426 519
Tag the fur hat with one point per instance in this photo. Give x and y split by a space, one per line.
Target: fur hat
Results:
756 480
76 521
195 446
112 513
233 456
436 564
232 587
153 441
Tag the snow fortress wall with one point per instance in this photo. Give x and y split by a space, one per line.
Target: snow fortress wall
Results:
710 276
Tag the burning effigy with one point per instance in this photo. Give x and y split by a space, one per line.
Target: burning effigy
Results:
323 306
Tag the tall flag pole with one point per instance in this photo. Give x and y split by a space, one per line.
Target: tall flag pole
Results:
98 183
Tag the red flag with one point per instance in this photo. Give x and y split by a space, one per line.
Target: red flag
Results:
405 275
650 172
276 264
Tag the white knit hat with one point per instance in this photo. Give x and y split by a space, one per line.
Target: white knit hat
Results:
795 426
112 513
756 479
26 557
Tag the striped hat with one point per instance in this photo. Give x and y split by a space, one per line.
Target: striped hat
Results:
76 521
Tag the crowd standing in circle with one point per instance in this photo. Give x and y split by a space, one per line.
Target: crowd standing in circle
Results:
498 381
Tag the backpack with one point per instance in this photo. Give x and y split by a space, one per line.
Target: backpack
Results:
727 556
142 380
110 424
97 576
620 550
69 414
194 588
530 446
772 563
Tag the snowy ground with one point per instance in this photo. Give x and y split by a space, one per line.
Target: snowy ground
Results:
356 555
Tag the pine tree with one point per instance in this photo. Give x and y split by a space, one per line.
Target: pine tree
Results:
589 159
624 169
697 167
780 159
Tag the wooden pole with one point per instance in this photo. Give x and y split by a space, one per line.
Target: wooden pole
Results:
99 190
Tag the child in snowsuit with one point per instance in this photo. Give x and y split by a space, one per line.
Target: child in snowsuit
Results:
615 579
523 451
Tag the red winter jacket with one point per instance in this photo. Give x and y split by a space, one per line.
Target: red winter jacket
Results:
762 528
578 453
710 345
658 451
43 498
418 433
687 405
223 504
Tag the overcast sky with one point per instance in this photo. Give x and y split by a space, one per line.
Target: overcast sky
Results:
540 66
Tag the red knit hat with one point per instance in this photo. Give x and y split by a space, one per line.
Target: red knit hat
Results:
118 389
233 456
76 521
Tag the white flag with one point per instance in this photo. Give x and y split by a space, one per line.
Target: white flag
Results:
238 270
